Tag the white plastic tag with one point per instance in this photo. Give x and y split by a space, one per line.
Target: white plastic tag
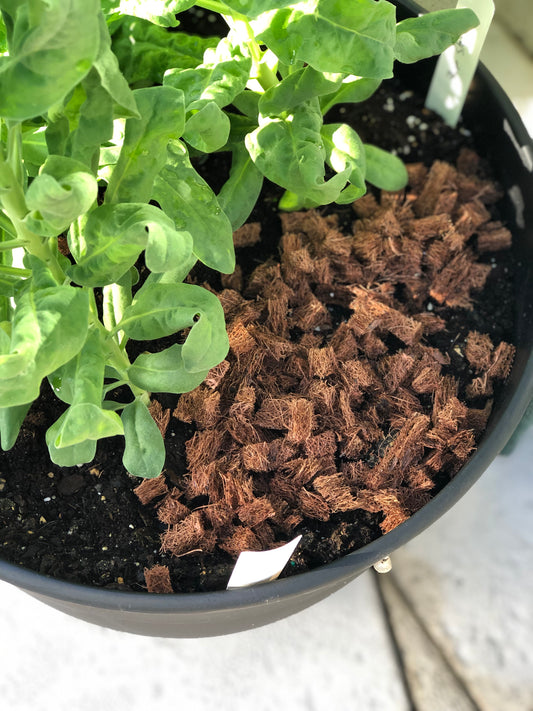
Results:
457 64
253 567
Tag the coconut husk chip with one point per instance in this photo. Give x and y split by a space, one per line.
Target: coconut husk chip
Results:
332 398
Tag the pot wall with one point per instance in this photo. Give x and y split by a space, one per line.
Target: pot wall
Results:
494 121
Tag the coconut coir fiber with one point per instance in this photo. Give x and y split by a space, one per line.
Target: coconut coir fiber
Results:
333 397
355 387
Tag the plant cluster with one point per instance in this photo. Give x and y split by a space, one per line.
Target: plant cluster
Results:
102 111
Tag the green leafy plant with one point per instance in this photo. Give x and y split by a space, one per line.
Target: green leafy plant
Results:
101 111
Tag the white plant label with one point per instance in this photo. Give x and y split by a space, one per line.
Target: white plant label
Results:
253 567
456 66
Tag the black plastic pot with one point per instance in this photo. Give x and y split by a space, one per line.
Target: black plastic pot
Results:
495 122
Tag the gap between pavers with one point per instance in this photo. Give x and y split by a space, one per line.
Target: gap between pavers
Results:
470 579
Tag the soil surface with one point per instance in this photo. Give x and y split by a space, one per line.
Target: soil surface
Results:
367 348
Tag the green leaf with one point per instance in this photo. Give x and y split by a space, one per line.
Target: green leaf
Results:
162 12
116 298
239 193
95 123
353 37
345 150
172 276
289 202
3 38
159 310
301 86
219 81
70 456
11 419
58 128
144 453
34 148
49 328
115 235
190 202
144 151
145 51
247 102
81 378
352 91
49 54
384 170
253 8
62 191
207 130
164 372
107 67
82 422
80 382
166 248
431 33
291 153
9 284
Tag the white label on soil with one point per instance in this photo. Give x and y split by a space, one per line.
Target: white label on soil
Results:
253 567
456 65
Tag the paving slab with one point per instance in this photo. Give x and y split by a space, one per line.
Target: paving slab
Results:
337 655
432 683
470 580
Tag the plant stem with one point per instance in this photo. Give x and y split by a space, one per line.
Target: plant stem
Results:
14 151
117 356
6 225
10 244
14 205
14 271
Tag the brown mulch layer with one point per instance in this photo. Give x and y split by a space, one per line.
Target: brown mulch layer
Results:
85 524
334 397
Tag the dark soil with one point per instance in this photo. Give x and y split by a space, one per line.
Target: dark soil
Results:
86 524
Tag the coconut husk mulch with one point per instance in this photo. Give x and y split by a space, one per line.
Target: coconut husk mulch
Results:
333 396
